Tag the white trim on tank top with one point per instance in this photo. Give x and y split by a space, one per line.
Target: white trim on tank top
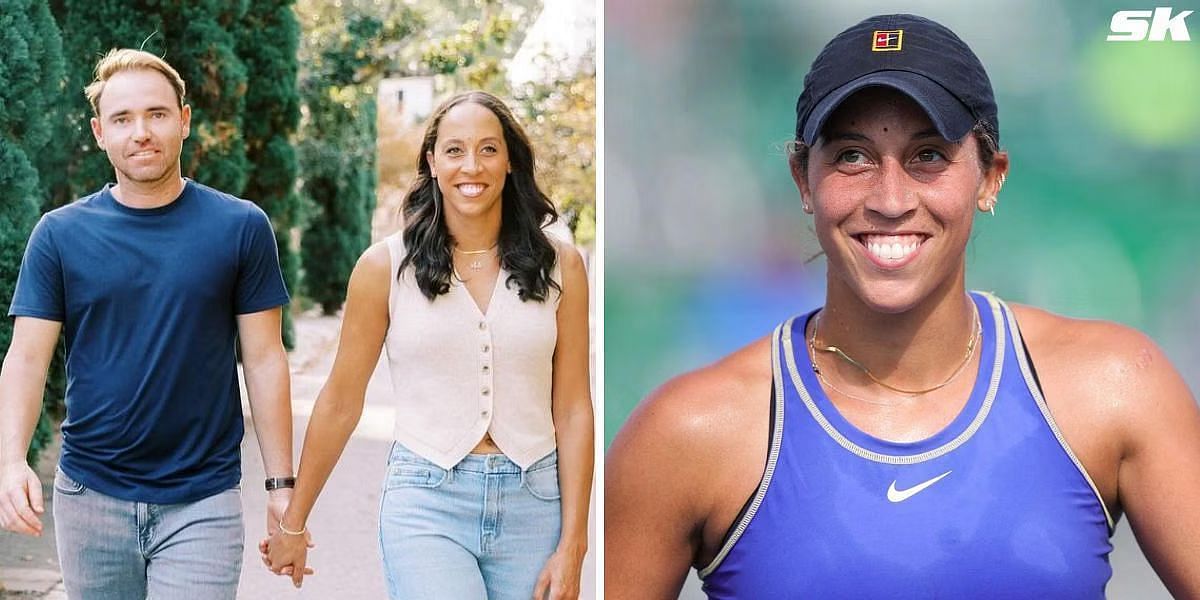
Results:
911 459
772 458
1036 392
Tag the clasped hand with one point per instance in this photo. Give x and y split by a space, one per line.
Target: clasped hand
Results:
286 554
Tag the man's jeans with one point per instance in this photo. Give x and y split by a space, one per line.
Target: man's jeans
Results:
124 550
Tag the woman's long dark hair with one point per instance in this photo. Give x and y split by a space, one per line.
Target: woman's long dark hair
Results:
525 251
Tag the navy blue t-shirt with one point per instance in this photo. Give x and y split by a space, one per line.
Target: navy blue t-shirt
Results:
148 299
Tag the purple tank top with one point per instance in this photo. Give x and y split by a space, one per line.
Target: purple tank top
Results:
993 506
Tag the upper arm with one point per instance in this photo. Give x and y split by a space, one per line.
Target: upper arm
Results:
680 469
571 350
651 511
33 343
260 335
1159 474
364 323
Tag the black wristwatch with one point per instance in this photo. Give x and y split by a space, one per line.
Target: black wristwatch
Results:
275 483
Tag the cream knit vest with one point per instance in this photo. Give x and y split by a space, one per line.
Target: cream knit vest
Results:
458 373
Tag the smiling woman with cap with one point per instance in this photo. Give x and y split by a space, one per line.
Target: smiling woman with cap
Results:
899 442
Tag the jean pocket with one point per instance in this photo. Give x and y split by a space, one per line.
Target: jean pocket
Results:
542 482
402 475
66 485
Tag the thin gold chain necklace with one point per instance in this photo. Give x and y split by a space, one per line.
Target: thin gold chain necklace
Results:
477 263
829 384
976 334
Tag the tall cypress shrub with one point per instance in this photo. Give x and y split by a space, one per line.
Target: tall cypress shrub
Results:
339 180
31 73
337 150
268 41
199 41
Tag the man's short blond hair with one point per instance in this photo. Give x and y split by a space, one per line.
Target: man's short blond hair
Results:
127 59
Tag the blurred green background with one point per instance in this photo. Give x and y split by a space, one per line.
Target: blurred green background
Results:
706 248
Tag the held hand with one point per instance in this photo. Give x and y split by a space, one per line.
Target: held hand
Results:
287 554
559 579
20 499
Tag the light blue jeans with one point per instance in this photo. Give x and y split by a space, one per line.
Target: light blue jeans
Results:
482 530
123 550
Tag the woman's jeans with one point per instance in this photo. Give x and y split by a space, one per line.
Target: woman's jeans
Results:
482 530
120 549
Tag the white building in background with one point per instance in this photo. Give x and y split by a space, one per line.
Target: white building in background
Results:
408 98
564 33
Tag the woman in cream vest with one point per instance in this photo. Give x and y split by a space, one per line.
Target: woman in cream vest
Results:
485 321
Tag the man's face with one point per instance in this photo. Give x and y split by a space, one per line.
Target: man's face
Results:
141 126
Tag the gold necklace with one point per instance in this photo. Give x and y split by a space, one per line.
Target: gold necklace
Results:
829 384
476 264
976 334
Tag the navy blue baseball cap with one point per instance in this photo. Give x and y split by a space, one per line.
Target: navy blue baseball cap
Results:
912 54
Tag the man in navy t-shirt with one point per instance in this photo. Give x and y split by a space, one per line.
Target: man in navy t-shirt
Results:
153 281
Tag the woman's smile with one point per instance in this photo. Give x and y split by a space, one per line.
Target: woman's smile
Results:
891 251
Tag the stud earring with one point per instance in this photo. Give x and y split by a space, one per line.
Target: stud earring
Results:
992 206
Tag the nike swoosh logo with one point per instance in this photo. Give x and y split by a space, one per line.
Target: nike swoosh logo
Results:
895 495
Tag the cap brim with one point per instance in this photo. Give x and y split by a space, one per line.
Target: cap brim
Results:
950 116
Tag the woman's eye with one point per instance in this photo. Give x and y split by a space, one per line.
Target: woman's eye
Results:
853 157
930 155
488 149
453 150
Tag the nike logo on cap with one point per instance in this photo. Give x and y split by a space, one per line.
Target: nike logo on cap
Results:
895 495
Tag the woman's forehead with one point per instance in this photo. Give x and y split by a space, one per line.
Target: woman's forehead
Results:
470 120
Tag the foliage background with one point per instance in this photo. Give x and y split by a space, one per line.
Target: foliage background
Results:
30 80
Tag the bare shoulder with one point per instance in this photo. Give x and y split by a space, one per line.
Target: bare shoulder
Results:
678 471
1107 352
701 436
1136 427
372 275
1116 370
375 259
711 406
569 259
568 254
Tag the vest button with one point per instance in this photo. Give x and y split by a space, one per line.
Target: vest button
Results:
486 391
486 347
482 325
486 368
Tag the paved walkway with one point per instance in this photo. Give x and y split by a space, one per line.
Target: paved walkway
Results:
344 522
